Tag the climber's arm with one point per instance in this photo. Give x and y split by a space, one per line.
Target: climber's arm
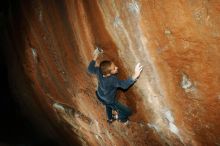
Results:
92 68
124 84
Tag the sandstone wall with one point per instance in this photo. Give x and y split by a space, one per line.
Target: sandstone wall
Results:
176 101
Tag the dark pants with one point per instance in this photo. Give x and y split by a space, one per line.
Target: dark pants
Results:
123 111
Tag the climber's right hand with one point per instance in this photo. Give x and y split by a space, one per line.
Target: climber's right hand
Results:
137 71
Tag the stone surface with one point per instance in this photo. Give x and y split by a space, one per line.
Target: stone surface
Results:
176 101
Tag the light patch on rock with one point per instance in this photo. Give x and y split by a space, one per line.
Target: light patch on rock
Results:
76 115
34 53
154 126
133 7
186 84
169 116
173 128
117 21
97 127
167 32
97 137
59 107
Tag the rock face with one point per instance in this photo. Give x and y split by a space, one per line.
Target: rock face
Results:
176 101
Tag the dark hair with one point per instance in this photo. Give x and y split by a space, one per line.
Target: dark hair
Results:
105 67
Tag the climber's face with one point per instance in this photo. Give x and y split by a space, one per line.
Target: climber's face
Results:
114 69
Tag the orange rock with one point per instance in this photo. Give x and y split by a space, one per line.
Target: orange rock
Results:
176 99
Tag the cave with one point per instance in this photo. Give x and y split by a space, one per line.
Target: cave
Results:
48 95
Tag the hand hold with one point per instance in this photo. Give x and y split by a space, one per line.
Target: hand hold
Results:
98 51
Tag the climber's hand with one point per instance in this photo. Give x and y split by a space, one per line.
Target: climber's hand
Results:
97 52
137 71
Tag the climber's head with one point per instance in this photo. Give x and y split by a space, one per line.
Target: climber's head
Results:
108 68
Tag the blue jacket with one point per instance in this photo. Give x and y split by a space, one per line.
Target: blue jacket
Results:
107 86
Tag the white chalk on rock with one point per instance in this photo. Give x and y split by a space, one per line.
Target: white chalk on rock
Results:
58 107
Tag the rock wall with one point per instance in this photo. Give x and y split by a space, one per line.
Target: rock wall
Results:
175 101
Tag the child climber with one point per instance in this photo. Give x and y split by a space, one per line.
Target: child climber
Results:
108 84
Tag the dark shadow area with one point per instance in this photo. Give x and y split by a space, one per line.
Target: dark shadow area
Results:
15 128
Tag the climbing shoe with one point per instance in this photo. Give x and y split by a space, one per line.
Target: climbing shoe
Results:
125 122
114 117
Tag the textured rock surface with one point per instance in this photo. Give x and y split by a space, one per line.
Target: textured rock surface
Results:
176 101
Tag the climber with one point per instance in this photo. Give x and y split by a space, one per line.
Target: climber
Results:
108 84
